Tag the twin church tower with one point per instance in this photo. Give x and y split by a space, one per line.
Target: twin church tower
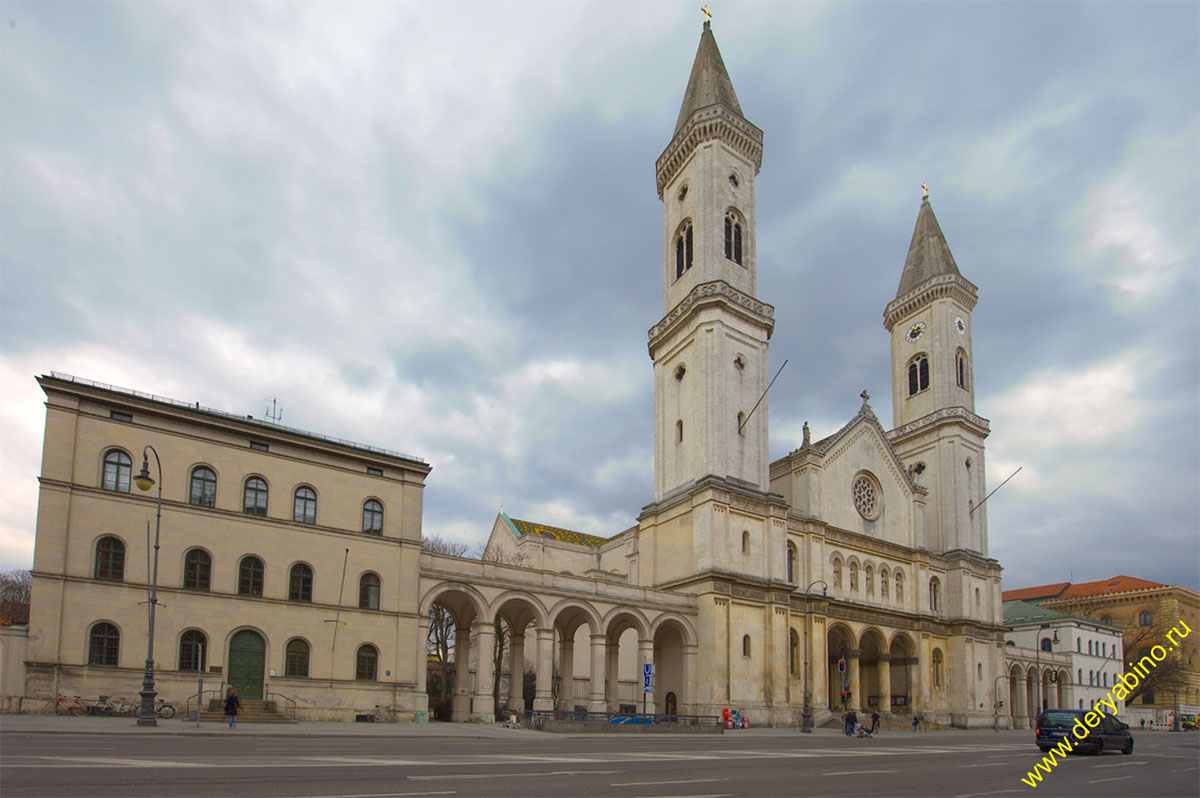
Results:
886 522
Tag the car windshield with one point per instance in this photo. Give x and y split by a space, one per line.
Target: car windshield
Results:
1057 720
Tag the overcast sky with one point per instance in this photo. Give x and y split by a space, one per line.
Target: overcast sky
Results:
433 227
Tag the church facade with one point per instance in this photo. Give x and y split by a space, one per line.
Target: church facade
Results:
852 572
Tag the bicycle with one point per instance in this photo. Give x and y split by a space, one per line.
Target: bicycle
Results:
384 714
64 707
105 707
164 710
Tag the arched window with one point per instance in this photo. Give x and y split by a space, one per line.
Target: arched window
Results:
854 577
837 572
960 368
683 249
733 237
304 508
791 563
254 497
366 663
679 431
934 587
372 517
368 592
793 653
193 650
1106 620
1144 618
110 558
745 542
118 469
899 586
197 570
869 580
250 577
104 644
203 491
1080 676
976 598
296 660
883 583
745 645
1047 644
300 583
1079 645
1090 652
741 423
937 667
918 374
1104 649
1091 677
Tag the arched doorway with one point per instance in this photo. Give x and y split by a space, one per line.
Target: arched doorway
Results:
903 669
247 659
671 705
839 645
668 681
871 680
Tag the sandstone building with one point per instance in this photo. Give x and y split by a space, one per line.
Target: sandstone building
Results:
856 567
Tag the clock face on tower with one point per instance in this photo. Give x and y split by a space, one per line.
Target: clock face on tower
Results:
960 325
915 332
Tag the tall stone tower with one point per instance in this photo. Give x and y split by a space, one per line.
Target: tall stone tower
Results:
937 433
710 348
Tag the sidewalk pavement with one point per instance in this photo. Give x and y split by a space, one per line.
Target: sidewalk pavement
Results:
65 724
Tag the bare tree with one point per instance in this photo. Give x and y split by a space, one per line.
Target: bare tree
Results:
16 590
441 622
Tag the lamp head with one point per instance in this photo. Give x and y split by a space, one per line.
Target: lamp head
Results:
143 479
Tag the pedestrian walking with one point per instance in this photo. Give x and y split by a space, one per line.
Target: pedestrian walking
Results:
874 722
847 724
852 722
232 705
1143 724
914 722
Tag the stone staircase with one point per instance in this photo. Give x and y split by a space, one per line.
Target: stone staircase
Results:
253 711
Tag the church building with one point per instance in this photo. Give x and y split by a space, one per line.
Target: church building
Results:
852 572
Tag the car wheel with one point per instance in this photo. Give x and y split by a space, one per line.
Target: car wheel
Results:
1045 749
1099 747
1128 749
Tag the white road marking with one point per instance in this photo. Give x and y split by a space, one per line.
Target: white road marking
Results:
1114 778
646 783
713 795
109 762
984 765
379 794
855 772
1123 764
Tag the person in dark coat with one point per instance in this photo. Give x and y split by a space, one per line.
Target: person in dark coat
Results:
232 705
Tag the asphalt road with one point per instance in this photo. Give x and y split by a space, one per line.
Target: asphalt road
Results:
951 764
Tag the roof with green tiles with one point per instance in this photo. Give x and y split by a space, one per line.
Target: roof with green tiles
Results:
522 528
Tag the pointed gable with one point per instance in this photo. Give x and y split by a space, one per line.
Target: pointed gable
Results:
928 253
709 83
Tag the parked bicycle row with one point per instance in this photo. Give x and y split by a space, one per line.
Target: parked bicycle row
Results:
107 706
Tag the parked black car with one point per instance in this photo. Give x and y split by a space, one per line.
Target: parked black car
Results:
1109 735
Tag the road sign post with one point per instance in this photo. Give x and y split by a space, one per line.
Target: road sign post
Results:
647 682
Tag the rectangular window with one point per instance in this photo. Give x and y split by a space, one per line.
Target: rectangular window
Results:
375 472
117 415
259 447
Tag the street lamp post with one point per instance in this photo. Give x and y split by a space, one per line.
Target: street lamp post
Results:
996 696
1038 667
806 713
145 482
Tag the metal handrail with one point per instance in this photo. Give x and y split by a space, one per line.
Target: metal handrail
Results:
187 707
538 716
291 710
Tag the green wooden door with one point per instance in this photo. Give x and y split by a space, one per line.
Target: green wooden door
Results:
247 658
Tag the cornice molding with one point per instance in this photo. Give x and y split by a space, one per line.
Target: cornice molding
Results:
715 122
954 286
715 292
979 424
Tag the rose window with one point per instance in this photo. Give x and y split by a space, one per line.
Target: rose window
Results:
866 498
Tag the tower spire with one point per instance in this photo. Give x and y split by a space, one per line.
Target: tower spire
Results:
928 253
709 83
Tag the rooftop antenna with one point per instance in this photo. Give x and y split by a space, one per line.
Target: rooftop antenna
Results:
273 413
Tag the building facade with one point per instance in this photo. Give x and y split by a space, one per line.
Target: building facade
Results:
853 572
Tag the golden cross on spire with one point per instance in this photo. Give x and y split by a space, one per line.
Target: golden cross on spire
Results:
925 189
707 13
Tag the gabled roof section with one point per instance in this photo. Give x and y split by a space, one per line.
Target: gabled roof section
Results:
522 528
928 253
1023 612
866 416
1117 584
1040 593
709 83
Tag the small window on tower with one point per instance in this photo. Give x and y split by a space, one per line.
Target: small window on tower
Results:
960 368
680 370
733 179
683 249
679 432
741 421
683 192
918 374
733 237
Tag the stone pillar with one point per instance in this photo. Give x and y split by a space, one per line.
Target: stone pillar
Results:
483 704
688 702
646 657
852 681
596 694
421 678
460 702
516 671
566 670
885 683
612 661
543 699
